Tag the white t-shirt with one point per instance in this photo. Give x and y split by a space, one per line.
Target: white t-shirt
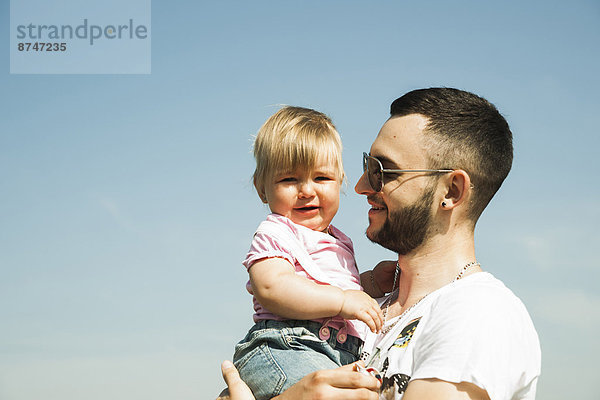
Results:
471 330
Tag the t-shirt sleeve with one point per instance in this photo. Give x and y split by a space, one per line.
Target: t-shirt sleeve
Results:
479 338
266 245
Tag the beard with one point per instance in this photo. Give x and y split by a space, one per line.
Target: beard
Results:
406 229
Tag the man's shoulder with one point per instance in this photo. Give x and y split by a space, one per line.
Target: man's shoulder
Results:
482 286
479 297
478 322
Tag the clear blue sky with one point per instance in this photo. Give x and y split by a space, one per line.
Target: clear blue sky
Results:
127 207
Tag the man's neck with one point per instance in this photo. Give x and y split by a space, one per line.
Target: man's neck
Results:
432 266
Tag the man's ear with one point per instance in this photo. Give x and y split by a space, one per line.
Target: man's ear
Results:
458 189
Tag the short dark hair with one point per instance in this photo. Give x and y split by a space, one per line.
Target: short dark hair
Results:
464 131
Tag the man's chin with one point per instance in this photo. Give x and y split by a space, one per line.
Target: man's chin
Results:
372 233
379 234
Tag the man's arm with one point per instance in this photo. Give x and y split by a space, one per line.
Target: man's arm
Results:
277 288
436 389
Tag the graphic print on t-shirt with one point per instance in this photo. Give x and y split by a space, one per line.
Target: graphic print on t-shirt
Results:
398 381
406 334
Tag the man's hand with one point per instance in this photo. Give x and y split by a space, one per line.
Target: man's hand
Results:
359 305
236 387
330 384
383 274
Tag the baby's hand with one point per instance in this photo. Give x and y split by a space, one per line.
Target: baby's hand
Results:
359 305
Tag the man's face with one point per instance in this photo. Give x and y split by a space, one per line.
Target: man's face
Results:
401 214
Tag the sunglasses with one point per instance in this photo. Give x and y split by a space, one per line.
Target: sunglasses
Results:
374 170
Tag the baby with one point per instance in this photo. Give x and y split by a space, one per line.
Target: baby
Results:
305 284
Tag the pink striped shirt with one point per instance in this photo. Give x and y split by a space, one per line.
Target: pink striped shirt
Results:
317 256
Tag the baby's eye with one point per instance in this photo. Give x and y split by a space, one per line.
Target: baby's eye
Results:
288 179
323 178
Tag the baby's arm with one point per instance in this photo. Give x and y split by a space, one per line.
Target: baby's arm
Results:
378 281
277 288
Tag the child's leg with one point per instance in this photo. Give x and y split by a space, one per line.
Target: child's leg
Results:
277 354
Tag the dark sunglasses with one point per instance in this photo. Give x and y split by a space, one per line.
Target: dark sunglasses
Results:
374 170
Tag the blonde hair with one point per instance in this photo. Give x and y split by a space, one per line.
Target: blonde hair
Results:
293 138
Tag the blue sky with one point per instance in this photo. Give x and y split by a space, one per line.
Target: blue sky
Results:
127 205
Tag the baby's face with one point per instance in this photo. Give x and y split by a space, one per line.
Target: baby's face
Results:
307 197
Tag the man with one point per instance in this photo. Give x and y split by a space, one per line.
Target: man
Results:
452 331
